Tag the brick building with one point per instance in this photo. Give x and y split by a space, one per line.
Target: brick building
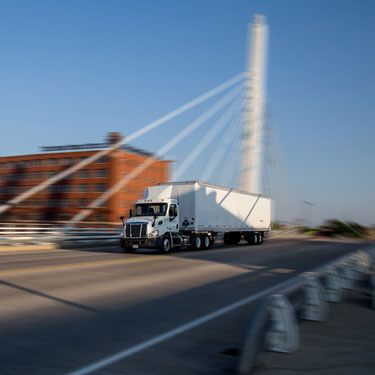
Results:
61 201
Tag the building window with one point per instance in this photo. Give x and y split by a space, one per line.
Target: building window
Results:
101 173
65 188
65 161
83 188
100 187
82 203
103 159
83 173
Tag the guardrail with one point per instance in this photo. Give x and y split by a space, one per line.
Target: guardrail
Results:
274 325
38 235
90 235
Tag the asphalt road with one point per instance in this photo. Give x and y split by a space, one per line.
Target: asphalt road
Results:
62 310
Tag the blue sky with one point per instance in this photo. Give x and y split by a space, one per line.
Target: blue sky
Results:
70 71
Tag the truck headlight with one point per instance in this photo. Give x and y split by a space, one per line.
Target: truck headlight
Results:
154 233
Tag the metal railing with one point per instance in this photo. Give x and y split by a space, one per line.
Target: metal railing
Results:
40 235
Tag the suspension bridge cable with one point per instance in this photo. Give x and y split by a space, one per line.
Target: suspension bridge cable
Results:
277 155
217 90
207 139
280 167
219 152
229 166
200 99
228 98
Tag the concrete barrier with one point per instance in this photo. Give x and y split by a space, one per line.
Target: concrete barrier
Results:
315 307
283 333
274 325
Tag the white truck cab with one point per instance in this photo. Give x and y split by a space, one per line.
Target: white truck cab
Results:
150 222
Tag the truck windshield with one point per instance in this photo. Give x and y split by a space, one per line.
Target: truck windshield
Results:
150 209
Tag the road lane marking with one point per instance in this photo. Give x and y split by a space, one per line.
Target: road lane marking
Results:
177 331
86 264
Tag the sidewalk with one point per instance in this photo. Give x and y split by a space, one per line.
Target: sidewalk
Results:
345 344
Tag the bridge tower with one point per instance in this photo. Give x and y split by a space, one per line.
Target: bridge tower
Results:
250 168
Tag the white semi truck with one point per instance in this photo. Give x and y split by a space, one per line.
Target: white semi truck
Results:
192 214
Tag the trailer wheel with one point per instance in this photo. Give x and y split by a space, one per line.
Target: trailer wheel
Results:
166 245
206 242
260 238
251 238
196 242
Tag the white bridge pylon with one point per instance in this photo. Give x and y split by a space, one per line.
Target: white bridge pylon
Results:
251 163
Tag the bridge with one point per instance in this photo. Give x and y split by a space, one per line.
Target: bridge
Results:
85 307
240 106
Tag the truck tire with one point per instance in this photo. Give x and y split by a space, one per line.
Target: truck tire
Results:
206 242
251 238
196 242
166 245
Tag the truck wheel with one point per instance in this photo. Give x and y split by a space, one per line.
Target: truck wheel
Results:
251 238
196 242
206 242
166 245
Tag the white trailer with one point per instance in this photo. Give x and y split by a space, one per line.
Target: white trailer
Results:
192 214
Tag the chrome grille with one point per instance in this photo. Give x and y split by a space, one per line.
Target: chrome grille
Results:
136 230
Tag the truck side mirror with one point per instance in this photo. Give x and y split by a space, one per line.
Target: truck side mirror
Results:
130 212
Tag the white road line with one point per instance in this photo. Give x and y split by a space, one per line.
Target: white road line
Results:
176 331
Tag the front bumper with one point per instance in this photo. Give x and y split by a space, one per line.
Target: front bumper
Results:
146 242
